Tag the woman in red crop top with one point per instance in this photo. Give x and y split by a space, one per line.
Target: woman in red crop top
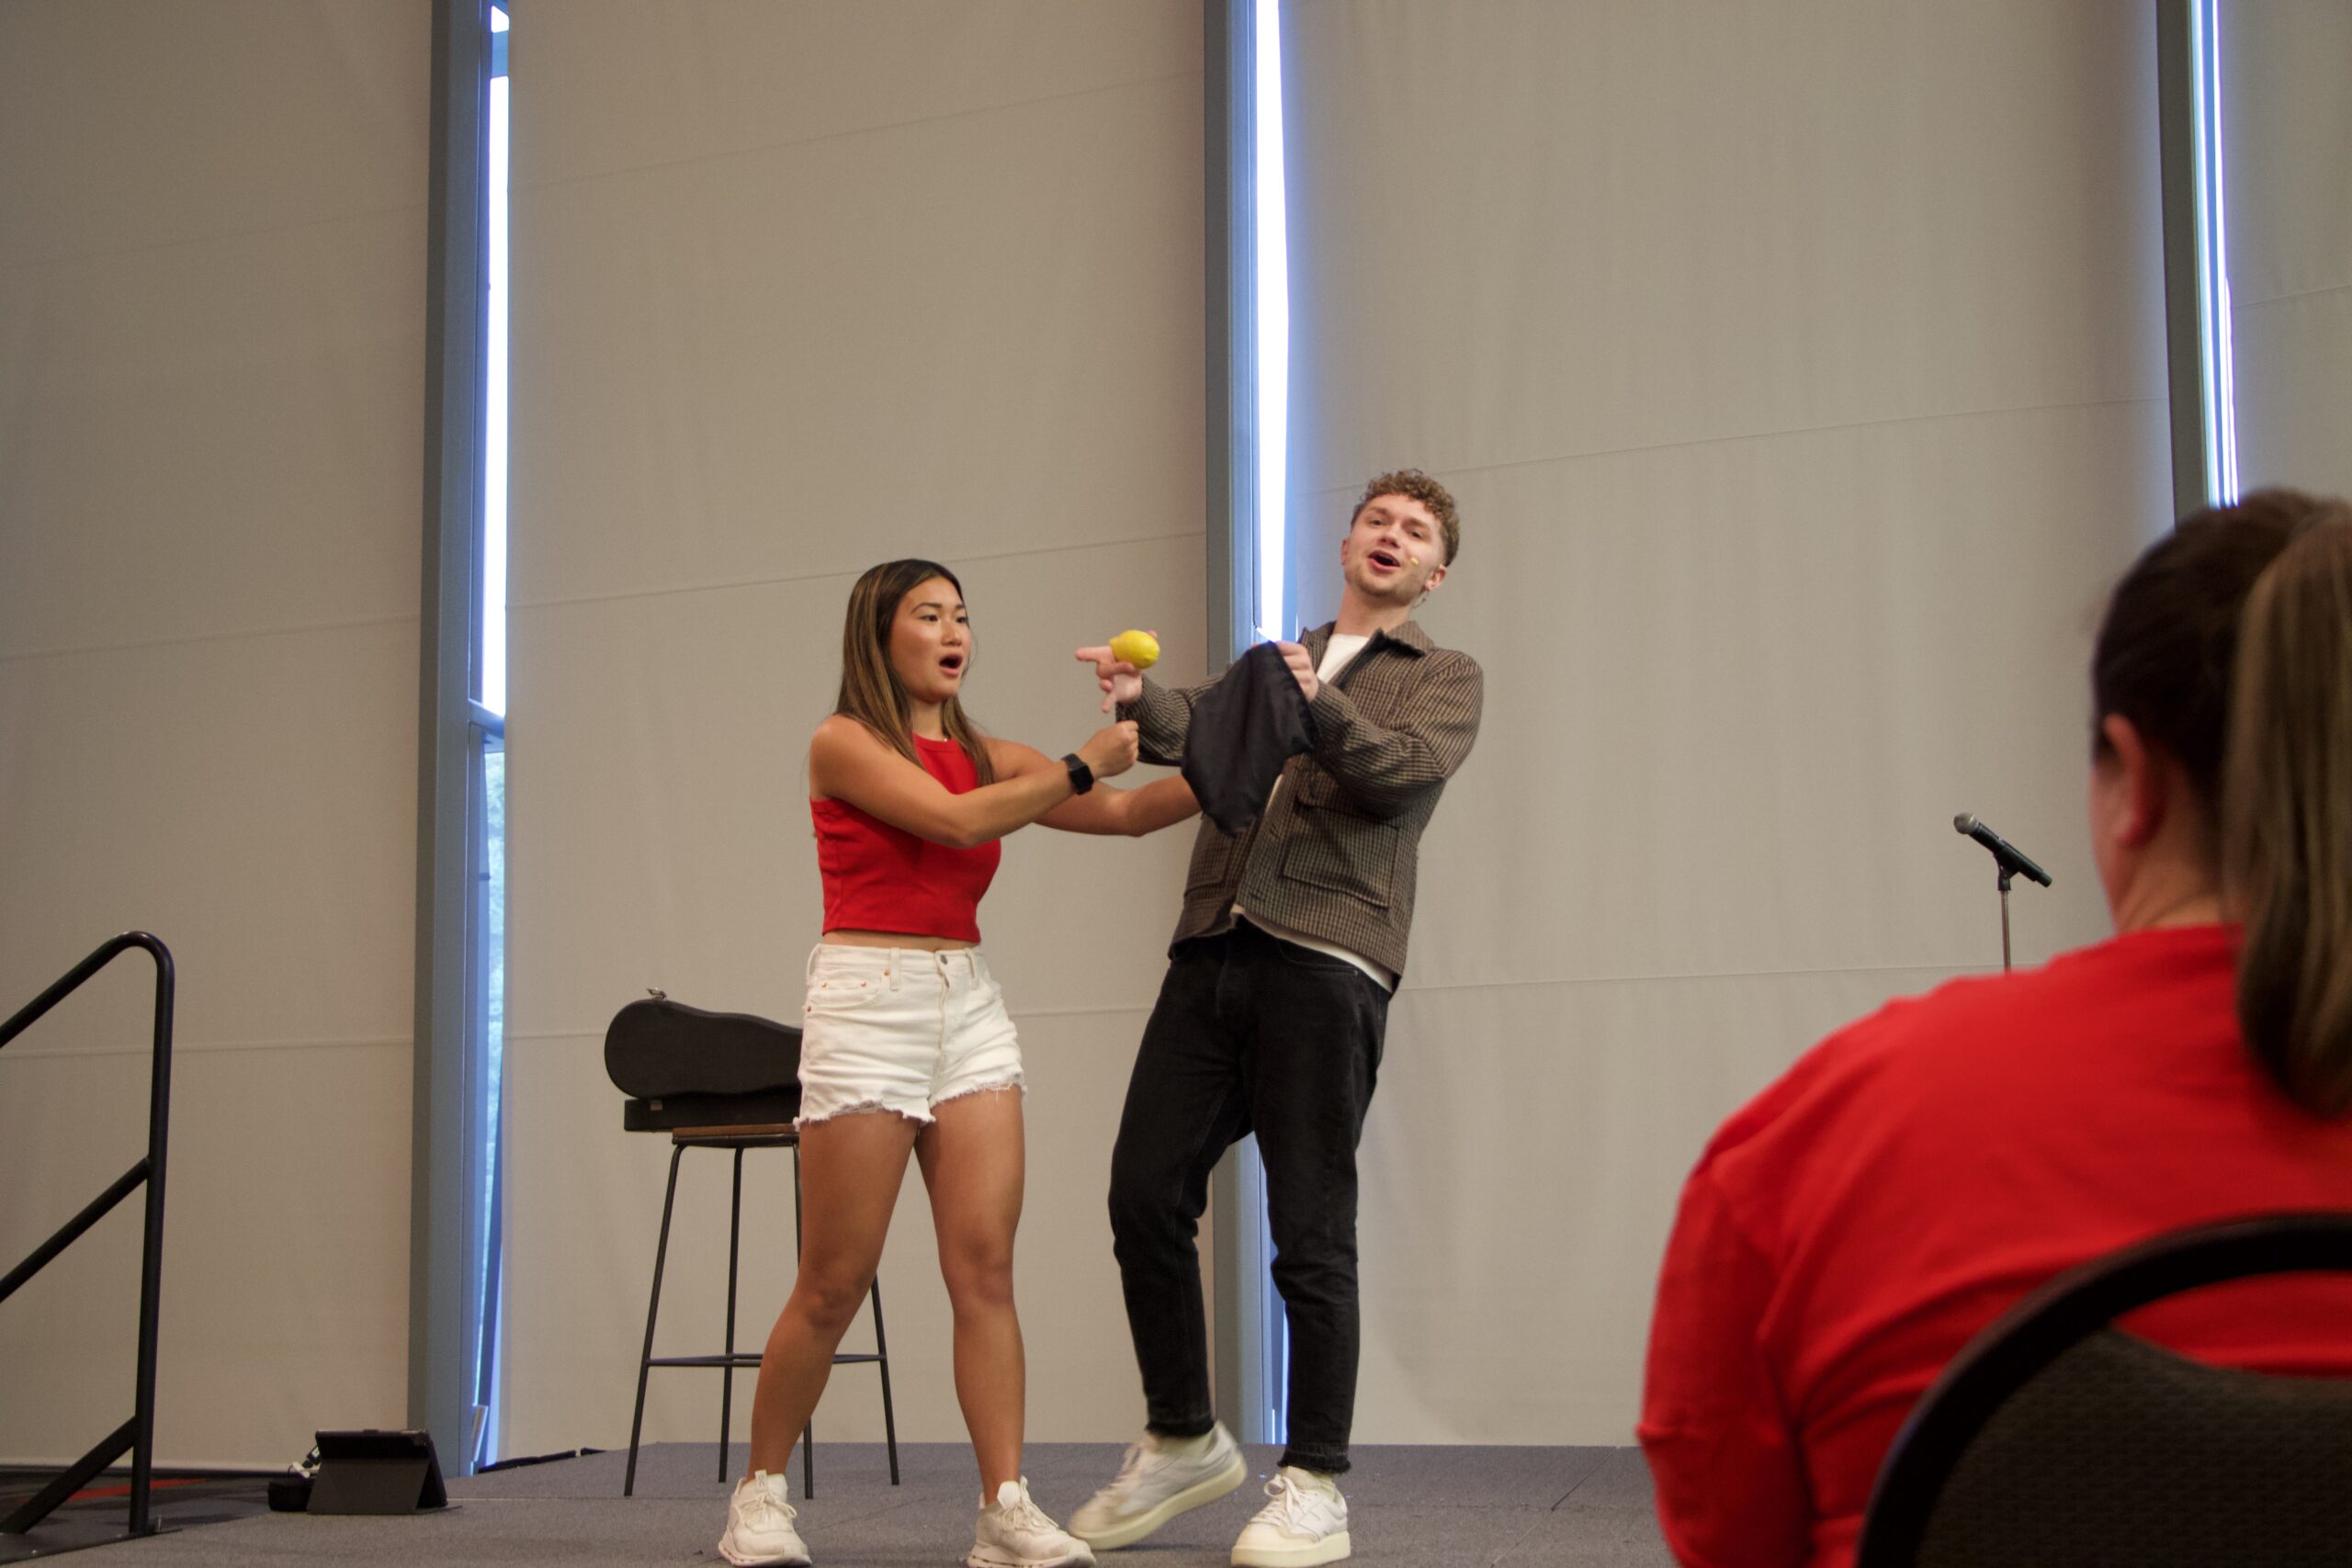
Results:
1851 1228
906 1047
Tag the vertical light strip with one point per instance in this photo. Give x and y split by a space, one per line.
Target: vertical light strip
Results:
1271 240
489 929
1273 322
494 560
2219 375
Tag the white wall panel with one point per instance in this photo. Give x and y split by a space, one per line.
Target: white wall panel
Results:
285 1257
1800 372
137 124
692 868
1478 1322
799 289
1654 223
214 438
1820 737
212 362
247 798
622 84
2286 138
806 359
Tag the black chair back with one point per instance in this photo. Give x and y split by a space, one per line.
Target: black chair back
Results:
2056 1440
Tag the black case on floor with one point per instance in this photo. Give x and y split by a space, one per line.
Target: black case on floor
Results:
374 1471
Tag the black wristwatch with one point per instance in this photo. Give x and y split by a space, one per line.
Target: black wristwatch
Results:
1082 777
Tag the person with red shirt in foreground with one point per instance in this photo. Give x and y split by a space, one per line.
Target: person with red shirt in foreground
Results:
906 1048
1914 1175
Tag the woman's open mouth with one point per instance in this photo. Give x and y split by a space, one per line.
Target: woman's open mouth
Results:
953 664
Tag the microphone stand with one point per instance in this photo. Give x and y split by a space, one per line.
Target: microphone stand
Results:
2005 874
2007 861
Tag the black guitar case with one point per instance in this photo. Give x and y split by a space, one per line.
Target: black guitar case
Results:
682 1066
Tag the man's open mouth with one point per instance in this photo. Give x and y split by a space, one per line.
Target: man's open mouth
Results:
1385 561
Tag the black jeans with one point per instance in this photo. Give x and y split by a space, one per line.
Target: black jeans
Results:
1249 1034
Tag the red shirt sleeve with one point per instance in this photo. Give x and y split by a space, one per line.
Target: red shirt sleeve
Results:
1722 1451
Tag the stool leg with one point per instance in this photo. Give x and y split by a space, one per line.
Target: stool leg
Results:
808 1432
727 1373
882 1360
653 1309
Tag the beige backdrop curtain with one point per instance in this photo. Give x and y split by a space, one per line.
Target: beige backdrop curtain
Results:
1800 370
212 260
2286 145
797 290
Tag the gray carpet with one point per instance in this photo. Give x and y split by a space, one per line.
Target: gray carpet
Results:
102 1512
1432 1505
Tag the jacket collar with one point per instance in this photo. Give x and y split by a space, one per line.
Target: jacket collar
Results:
1409 637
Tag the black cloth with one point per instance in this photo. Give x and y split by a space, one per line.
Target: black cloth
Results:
1242 730
1250 1034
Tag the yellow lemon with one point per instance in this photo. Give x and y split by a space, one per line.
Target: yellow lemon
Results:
1138 649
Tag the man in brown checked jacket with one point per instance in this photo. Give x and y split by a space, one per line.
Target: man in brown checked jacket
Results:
1271 1019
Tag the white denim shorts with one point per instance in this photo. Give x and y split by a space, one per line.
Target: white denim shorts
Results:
900 1028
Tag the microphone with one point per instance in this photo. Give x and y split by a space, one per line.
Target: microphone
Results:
2010 857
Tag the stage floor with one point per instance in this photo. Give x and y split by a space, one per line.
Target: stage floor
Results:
1420 1506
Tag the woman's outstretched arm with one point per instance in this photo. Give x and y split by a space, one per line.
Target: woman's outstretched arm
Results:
1103 810
848 762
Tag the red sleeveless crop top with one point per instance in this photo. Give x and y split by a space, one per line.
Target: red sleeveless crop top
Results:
881 878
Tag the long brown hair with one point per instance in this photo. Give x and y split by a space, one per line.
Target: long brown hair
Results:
2286 813
871 691
2169 640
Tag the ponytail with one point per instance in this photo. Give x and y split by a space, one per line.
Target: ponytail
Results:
2286 813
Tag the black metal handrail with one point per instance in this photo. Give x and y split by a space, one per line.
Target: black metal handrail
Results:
137 1435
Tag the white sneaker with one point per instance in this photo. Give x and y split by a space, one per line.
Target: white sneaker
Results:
1160 1479
1305 1523
1014 1533
759 1525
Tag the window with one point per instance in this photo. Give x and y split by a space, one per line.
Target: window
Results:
486 811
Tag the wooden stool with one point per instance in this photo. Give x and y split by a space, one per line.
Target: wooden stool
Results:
777 1135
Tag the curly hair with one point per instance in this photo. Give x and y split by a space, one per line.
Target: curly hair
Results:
1415 485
